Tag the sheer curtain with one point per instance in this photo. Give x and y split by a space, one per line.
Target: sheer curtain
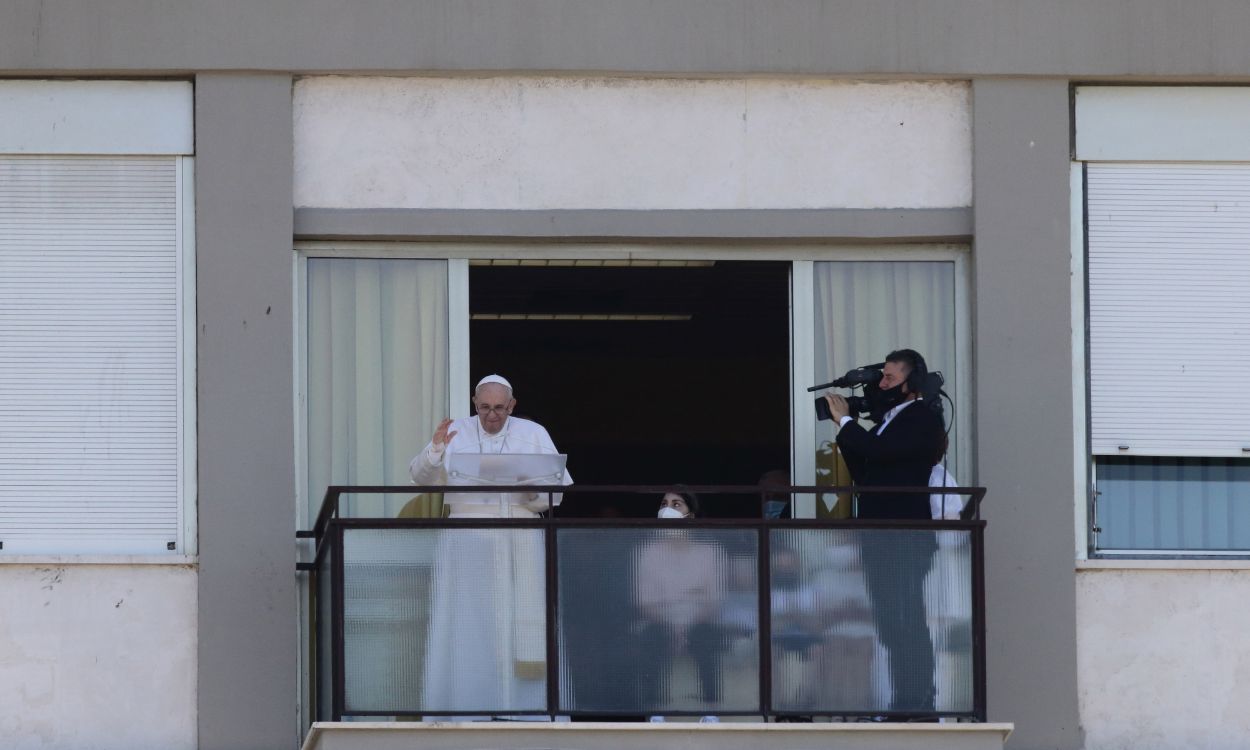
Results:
866 309
376 374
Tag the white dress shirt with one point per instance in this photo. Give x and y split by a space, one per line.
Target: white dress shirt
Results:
889 416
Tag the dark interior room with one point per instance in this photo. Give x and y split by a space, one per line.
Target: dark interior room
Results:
644 374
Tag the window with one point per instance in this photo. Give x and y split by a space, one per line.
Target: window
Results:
865 309
1151 504
385 349
1169 335
96 342
376 372
1163 184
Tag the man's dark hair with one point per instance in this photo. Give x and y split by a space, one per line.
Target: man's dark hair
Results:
909 357
918 380
917 371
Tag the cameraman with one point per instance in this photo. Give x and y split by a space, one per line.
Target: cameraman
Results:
898 452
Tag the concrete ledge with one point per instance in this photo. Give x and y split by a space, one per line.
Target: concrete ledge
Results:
646 736
1178 563
864 225
183 560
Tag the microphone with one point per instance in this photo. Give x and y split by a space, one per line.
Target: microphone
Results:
859 376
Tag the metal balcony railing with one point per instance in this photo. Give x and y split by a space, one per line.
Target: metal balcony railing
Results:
616 617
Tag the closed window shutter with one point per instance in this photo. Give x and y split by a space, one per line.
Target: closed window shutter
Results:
90 434
1169 308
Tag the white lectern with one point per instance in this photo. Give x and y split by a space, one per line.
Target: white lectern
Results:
507 469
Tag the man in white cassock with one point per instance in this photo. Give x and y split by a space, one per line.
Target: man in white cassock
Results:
493 431
486 651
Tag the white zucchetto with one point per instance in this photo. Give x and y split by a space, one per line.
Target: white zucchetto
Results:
501 380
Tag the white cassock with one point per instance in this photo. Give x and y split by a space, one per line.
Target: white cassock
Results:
943 505
948 598
486 651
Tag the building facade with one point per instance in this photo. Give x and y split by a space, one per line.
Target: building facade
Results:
218 219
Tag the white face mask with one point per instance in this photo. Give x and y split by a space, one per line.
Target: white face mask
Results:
670 513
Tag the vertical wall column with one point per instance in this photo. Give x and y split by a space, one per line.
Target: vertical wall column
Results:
247 587
1024 419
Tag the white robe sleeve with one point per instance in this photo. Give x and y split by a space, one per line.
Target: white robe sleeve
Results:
427 466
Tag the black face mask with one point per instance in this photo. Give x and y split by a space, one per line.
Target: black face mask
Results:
882 401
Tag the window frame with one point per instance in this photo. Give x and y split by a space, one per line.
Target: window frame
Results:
119 119
802 296
187 530
803 441
457 343
458 255
1085 475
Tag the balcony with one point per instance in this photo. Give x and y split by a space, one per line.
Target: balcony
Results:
566 631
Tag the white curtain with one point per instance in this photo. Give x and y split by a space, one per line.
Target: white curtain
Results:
376 373
866 309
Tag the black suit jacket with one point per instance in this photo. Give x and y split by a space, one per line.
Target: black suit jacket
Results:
901 456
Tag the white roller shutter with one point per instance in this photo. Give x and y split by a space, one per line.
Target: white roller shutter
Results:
1169 308
91 434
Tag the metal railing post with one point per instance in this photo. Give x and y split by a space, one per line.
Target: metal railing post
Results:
336 629
765 622
553 591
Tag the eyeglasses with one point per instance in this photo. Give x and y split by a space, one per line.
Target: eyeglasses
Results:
498 411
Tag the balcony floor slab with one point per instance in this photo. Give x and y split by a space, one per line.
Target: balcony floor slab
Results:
728 735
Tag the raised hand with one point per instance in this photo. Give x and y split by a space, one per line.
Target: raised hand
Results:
442 436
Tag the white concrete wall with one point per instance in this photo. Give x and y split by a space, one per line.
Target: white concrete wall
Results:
1164 658
97 656
583 143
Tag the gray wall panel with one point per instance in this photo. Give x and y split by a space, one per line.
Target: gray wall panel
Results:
812 37
871 225
1024 419
247 596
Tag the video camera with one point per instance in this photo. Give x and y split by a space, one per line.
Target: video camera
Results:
868 376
